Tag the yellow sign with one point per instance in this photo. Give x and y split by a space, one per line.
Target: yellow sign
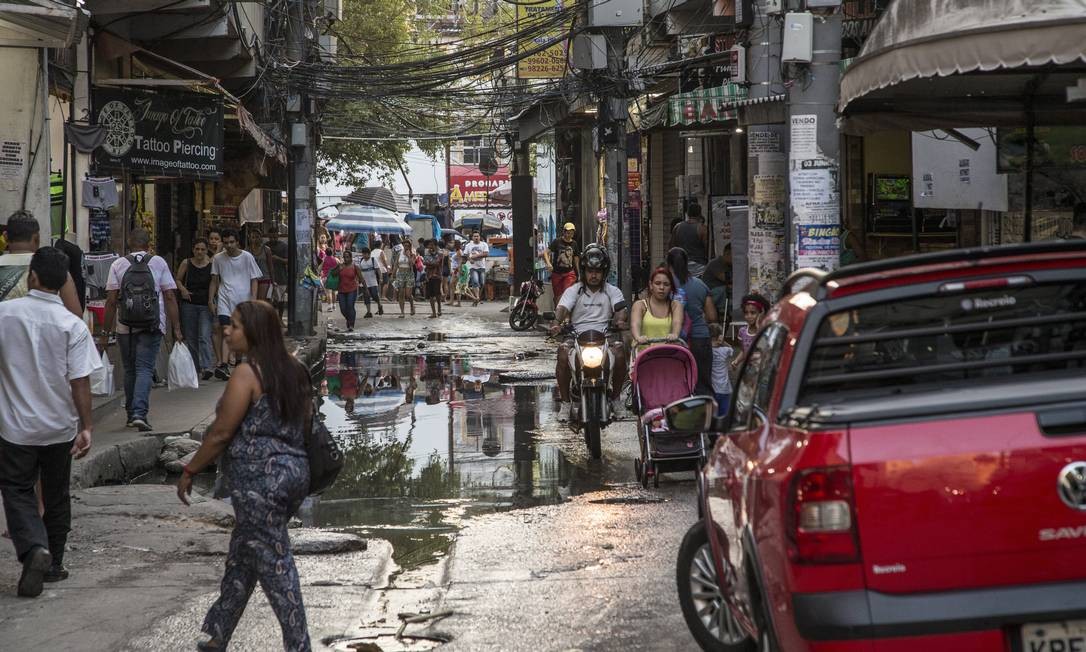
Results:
551 62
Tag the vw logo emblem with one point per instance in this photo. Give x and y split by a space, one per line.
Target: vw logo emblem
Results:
1071 485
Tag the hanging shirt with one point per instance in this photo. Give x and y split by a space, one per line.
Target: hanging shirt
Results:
100 192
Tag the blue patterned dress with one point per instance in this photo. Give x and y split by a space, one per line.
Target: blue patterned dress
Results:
267 472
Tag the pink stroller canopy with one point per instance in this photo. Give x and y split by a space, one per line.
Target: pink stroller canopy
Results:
663 374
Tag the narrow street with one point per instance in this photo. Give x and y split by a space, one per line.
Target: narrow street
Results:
470 496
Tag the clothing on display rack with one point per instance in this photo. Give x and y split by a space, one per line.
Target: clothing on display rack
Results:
97 267
86 138
99 192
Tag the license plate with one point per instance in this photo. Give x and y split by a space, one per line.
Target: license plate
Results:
1066 636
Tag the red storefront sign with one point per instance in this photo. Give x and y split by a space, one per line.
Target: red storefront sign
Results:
468 187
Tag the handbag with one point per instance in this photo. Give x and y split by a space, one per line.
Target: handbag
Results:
325 456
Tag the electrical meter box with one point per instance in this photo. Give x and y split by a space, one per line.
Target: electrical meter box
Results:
589 52
615 13
774 7
798 38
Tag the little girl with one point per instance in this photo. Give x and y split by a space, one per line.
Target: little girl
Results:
755 307
722 358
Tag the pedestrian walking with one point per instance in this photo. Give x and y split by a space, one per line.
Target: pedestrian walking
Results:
141 299
476 252
371 285
278 251
214 246
699 312
259 429
194 286
328 262
403 265
349 278
23 239
234 275
463 283
562 259
455 256
446 271
262 255
434 261
691 236
47 417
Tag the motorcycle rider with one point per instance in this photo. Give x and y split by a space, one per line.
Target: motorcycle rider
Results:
591 304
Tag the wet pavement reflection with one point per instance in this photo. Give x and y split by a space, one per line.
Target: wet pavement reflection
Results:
430 440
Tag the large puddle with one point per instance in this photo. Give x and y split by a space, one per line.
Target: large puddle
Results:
431 440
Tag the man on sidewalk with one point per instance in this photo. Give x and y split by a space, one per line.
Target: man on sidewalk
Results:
562 260
476 252
47 416
24 238
692 237
234 275
150 285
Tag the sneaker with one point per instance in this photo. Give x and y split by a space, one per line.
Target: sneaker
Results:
130 423
380 310
37 562
367 316
206 374
141 424
564 410
222 372
56 573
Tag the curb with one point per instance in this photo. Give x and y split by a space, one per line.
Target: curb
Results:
119 463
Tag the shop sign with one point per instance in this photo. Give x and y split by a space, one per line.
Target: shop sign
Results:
549 63
705 106
160 133
469 188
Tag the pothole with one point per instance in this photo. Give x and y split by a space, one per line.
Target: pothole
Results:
387 643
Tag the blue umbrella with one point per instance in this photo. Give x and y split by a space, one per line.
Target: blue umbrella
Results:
368 219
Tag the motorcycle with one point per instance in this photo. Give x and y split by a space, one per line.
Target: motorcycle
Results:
525 312
590 360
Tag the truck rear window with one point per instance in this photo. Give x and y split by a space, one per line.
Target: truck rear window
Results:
932 342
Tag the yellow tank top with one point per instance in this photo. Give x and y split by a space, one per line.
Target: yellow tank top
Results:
653 327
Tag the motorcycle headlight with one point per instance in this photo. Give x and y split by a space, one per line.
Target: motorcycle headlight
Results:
592 356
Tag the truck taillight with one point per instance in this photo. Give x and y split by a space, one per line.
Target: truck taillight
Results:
822 528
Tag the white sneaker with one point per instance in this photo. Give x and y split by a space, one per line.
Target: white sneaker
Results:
564 409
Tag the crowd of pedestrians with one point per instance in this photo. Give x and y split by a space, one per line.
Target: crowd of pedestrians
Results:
400 271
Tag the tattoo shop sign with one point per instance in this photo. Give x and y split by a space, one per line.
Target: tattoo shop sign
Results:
167 134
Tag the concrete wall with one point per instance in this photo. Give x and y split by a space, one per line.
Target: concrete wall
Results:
21 113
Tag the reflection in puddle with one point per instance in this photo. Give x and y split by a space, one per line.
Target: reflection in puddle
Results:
430 440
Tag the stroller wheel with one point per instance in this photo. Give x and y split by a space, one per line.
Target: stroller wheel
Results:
655 479
637 468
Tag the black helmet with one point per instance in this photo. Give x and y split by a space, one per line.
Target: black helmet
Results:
595 257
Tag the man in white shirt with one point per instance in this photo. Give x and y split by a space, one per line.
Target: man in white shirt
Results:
234 275
476 252
139 345
46 416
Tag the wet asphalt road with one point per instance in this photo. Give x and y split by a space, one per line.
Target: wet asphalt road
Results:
491 509
529 543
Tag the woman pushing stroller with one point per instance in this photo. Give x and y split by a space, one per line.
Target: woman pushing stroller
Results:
659 316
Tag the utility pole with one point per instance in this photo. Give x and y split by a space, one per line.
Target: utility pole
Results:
813 157
767 165
523 216
611 132
302 168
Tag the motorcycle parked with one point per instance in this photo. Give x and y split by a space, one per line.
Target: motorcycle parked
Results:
525 312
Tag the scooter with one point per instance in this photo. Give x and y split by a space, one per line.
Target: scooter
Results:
525 312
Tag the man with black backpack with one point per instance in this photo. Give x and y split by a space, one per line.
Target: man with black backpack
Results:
141 293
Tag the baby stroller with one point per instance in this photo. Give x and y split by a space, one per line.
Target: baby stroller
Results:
664 377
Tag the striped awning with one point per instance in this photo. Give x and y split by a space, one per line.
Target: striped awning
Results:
705 106
368 219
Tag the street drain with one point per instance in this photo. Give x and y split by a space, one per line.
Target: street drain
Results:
389 643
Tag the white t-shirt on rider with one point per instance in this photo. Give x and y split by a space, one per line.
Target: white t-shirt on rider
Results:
591 310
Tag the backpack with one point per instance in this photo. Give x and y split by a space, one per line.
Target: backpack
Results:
139 295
